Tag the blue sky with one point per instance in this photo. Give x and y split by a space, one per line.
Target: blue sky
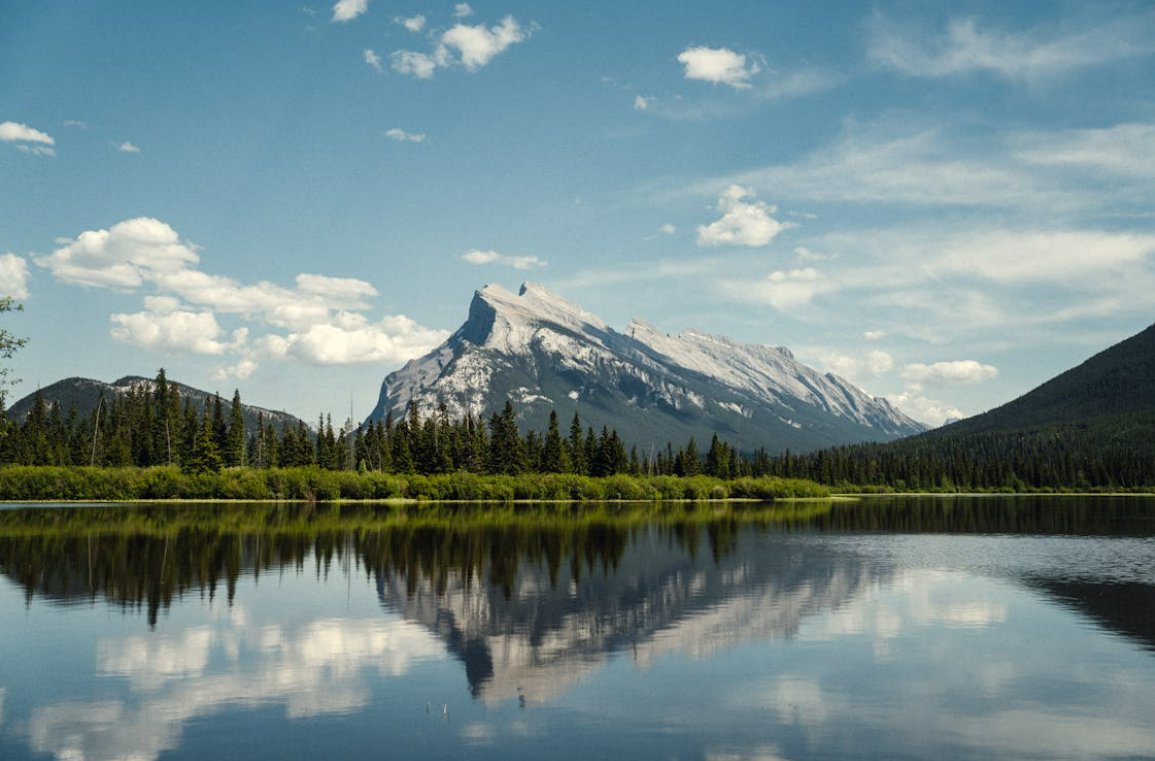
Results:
946 203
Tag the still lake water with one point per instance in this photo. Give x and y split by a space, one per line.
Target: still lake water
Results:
951 628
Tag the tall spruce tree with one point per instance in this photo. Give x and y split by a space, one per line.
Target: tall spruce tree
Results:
234 454
554 458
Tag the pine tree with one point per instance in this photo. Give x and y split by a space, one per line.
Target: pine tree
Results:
576 447
206 456
234 454
554 458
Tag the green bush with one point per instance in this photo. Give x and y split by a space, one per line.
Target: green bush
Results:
29 483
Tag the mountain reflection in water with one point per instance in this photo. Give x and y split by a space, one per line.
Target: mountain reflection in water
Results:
776 614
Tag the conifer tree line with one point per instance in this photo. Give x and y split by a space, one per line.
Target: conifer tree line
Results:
156 426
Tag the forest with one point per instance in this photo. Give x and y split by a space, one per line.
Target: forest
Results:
153 426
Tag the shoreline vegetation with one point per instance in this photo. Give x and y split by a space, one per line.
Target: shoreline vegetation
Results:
313 484
32 483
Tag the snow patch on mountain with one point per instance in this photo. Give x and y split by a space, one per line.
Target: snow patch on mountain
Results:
536 347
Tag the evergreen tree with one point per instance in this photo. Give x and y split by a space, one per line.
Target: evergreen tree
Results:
220 429
206 456
554 458
576 448
234 454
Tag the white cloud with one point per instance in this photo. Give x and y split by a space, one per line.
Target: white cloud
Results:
718 65
478 45
14 132
1125 150
469 46
240 371
402 136
413 24
321 313
122 256
742 223
1028 56
796 84
943 373
874 335
411 62
859 370
165 327
477 256
75 123
930 411
462 10
127 147
783 289
343 292
668 229
351 339
347 10
1010 257
922 169
36 150
13 276
641 102
372 59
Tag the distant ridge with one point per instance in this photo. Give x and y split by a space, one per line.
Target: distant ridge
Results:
544 352
1113 385
85 394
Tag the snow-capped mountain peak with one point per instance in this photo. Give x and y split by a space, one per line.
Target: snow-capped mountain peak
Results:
545 352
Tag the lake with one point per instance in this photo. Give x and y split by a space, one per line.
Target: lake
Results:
938 628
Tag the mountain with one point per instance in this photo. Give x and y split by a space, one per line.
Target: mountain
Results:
85 394
1115 384
542 352
1091 427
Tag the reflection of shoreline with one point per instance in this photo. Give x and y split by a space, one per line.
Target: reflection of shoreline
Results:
655 601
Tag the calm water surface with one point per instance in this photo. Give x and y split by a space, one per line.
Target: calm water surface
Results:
917 628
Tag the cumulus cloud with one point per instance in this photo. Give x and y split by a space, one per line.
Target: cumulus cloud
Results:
347 10
321 314
668 229
462 10
22 135
240 371
478 45
462 44
742 223
943 373
1030 56
122 256
372 59
13 276
414 23
874 335
641 102
14 132
416 64
402 136
477 256
719 65
165 326
352 339
127 147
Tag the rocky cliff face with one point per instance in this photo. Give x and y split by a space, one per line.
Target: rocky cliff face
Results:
544 352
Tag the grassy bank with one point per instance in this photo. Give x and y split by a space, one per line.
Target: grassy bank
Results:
71 484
